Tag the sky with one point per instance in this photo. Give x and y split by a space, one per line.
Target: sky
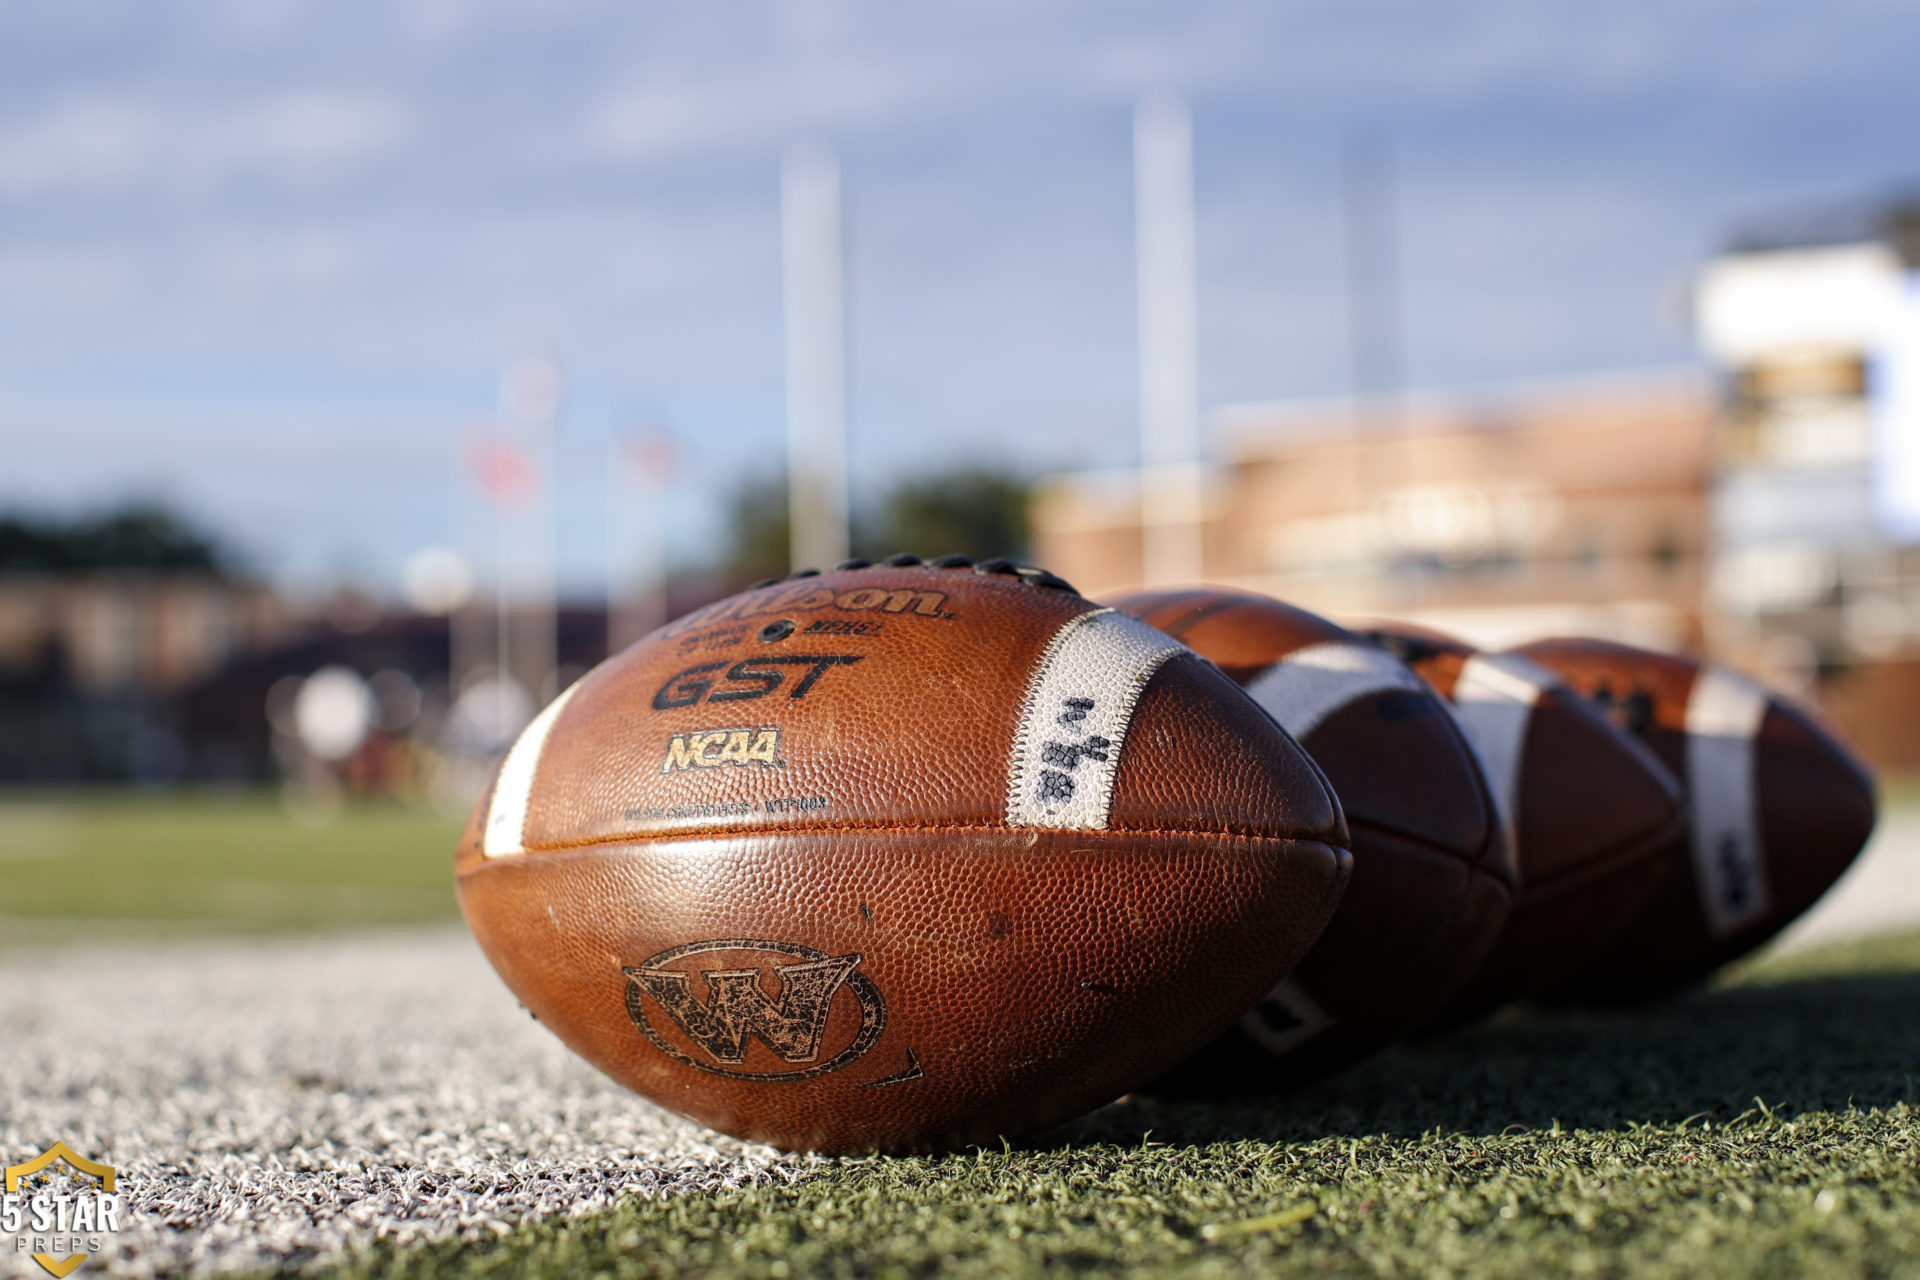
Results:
267 259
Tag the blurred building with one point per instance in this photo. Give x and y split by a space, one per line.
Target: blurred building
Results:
161 678
1765 508
145 634
89 658
1815 329
1578 505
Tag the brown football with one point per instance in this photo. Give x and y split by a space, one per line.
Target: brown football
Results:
899 858
1432 870
1591 811
1778 808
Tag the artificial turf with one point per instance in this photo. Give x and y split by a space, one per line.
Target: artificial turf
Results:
1766 1127
100 865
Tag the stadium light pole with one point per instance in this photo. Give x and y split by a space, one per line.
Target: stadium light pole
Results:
1375 353
530 396
811 242
639 467
1170 494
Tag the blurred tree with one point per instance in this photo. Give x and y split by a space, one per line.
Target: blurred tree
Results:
757 519
140 536
979 513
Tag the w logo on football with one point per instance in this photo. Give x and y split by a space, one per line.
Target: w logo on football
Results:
740 1007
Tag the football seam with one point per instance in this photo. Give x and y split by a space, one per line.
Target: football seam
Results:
902 828
1616 859
1475 859
1210 610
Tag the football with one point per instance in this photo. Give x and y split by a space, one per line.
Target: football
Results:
1591 811
1778 808
1432 868
898 858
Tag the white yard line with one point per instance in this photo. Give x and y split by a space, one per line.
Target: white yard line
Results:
267 1102
273 1102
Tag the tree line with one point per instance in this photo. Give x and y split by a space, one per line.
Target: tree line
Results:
140 537
979 513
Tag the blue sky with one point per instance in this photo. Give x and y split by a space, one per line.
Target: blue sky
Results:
267 258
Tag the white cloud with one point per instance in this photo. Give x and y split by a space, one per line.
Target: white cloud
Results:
82 142
361 190
303 127
135 145
66 282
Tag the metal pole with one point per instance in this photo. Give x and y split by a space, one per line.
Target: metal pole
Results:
1169 384
1373 287
815 355
531 395
636 548
1373 314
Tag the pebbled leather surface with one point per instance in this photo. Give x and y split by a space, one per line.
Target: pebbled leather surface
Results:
1028 975
1816 810
683 915
1432 872
1596 816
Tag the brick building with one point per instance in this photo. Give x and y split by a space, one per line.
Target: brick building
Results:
1578 505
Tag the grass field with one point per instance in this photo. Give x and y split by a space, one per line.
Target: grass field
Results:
1768 1127
104 864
